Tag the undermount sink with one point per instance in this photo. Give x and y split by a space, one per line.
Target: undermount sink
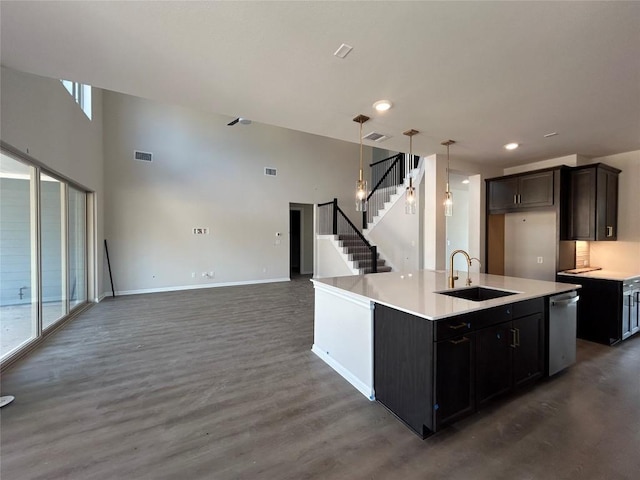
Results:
477 294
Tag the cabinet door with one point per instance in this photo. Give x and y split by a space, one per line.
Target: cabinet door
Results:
528 354
535 190
582 205
454 394
493 362
607 213
503 194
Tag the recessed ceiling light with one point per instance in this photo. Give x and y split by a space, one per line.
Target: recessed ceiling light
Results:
465 181
343 50
511 146
382 105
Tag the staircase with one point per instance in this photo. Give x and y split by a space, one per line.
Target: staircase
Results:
360 254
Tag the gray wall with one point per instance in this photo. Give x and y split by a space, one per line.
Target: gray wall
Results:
206 174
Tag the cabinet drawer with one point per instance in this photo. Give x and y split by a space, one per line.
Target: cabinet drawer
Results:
454 327
528 307
493 316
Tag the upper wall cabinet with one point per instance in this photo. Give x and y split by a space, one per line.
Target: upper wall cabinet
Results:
531 190
592 212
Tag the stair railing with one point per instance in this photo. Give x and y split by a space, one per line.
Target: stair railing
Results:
386 175
333 221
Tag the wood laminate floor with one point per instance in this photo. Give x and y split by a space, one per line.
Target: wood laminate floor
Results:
221 384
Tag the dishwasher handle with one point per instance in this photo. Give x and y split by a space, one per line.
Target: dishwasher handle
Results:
564 302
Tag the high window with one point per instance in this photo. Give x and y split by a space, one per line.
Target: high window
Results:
81 93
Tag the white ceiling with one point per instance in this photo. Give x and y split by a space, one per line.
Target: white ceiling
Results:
481 73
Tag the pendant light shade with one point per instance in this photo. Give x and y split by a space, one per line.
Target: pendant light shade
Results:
410 199
361 185
448 197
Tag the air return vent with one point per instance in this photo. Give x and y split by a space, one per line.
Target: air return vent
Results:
271 172
143 156
376 137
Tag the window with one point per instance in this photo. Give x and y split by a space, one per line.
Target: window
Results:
81 93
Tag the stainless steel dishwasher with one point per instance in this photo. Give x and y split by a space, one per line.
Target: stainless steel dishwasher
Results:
562 331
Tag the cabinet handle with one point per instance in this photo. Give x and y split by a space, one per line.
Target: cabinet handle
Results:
609 231
519 198
456 327
458 342
515 199
515 335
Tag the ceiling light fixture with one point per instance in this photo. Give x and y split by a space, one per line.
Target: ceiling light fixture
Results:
448 197
511 146
465 181
382 105
552 134
361 184
410 197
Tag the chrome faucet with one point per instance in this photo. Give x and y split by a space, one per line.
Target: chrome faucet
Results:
452 278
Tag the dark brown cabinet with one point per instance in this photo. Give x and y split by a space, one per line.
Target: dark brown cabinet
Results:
509 355
531 190
454 382
432 373
592 211
608 310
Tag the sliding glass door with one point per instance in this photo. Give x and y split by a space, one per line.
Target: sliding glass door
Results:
77 243
54 258
18 279
43 255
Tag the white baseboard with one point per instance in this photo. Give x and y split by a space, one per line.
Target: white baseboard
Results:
364 389
195 287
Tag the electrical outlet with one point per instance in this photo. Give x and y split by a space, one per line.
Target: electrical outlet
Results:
540 259
193 274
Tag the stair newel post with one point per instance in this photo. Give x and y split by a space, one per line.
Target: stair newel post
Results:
374 258
335 216
364 220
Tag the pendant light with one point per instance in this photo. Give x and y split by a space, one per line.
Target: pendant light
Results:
361 184
448 197
410 199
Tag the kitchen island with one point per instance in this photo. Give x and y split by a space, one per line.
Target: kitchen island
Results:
431 358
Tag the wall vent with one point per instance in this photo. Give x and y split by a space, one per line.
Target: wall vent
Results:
376 137
272 172
143 156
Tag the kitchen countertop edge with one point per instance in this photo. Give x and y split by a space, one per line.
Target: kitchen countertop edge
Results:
441 306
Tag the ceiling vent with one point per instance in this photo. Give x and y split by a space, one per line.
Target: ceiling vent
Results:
270 172
376 137
143 156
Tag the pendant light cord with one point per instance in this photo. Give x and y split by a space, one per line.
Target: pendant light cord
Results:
360 150
410 161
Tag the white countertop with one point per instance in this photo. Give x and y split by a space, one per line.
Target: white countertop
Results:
602 274
415 292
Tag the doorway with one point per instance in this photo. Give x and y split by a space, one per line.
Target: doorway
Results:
300 239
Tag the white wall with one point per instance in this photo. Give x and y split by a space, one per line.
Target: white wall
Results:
624 254
396 236
457 227
570 160
528 236
206 174
41 119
